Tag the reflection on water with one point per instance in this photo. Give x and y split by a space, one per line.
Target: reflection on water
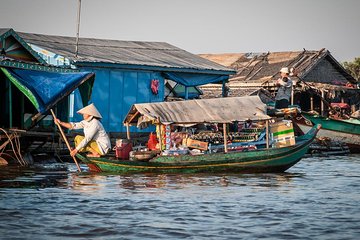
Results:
316 199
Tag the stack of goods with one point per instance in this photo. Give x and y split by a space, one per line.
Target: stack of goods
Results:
245 135
282 133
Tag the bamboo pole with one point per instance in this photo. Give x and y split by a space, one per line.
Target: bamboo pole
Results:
78 30
65 139
127 131
322 103
160 136
10 107
267 134
225 137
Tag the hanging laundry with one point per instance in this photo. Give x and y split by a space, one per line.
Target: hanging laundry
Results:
155 86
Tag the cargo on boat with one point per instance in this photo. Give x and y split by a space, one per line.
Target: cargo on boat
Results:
175 148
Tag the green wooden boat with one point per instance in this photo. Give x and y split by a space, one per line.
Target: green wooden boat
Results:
345 131
256 161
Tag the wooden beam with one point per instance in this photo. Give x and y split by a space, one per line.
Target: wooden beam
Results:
133 116
322 110
225 137
267 134
160 136
127 131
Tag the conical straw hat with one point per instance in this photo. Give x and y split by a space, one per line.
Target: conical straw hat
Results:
90 110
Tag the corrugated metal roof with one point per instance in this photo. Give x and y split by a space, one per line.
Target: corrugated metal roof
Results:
3 30
266 66
155 54
219 110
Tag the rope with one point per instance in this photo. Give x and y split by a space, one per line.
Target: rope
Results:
16 150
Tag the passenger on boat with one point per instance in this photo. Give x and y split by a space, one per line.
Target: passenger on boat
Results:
282 99
248 123
96 141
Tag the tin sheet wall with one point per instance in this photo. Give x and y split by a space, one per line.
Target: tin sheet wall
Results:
114 93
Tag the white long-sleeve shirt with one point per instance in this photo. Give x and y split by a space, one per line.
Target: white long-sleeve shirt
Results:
93 130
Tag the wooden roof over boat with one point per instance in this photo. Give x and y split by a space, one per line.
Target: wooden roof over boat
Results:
217 110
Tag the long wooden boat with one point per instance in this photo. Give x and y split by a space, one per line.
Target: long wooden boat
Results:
346 131
256 161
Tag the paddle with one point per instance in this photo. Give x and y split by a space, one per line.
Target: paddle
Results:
65 139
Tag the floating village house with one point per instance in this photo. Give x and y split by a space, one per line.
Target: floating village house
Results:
29 86
322 73
113 75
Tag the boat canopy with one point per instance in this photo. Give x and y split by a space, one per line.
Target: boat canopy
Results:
45 89
216 110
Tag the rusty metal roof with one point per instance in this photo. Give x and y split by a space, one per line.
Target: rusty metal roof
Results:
218 110
265 66
153 54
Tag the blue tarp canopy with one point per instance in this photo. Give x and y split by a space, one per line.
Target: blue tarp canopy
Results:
45 89
194 79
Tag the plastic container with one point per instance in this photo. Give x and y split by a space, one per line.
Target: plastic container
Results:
122 149
151 144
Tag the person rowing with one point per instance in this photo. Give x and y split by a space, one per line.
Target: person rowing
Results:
95 140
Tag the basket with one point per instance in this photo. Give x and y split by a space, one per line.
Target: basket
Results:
143 156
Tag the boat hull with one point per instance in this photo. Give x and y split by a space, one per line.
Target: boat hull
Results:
335 130
264 161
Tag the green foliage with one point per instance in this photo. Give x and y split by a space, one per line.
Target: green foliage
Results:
353 68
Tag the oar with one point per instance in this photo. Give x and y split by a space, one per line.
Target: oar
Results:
65 139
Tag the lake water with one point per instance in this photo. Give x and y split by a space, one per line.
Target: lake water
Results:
319 198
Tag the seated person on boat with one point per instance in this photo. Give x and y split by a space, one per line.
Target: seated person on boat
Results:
96 141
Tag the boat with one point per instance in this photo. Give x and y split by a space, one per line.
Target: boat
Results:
338 130
268 159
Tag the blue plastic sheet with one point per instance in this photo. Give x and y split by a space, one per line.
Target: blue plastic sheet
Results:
45 89
193 79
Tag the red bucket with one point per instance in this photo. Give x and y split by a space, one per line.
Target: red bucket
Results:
123 149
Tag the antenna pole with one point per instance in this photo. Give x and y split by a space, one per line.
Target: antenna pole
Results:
78 30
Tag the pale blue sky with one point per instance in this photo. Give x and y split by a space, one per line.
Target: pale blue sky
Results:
200 26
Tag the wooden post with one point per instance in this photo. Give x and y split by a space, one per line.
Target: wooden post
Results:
65 139
160 137
322 103
223 89
10 106
311 103
353 108
292 96
127 131
267 134
186 93
22 110
225 137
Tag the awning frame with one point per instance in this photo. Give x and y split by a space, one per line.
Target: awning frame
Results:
219 110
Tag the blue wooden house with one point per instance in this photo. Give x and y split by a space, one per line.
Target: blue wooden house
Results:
126 72
29 86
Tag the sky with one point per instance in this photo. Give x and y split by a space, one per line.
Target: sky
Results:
199 26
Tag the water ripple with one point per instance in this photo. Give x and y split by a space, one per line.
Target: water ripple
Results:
316 199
